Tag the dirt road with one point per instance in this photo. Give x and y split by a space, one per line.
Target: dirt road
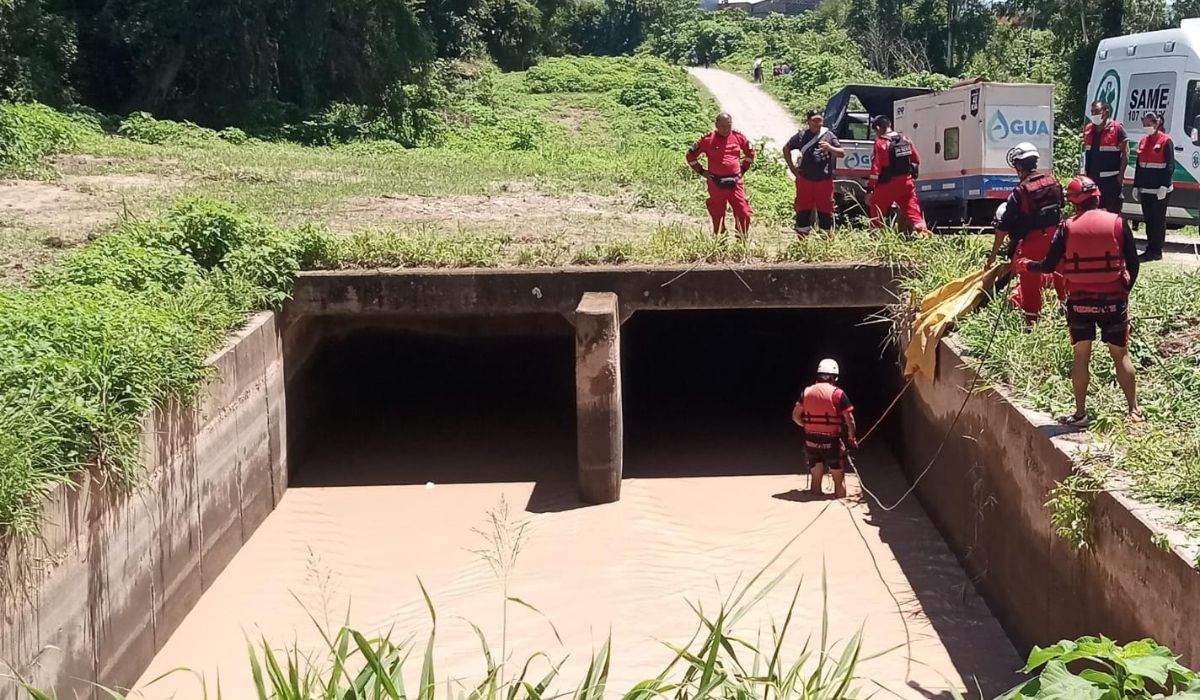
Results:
754 112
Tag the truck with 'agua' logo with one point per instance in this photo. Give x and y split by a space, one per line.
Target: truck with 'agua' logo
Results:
1155 72
962 134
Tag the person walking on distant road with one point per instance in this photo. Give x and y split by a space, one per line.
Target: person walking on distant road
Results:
1030 219
819 151
728 155
1153 181
1106 155
1095 251
825 413
758 70
893 169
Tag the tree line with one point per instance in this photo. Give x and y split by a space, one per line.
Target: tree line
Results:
256 63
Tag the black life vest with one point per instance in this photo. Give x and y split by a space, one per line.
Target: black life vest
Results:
1041 198
900 151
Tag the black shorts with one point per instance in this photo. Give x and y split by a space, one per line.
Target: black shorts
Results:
832 456
1110 315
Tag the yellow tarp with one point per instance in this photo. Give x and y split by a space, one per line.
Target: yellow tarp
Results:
939 310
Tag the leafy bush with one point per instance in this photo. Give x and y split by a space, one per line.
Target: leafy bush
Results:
204 229
125 261
579 74
1142 670
29 132
143 127
233 135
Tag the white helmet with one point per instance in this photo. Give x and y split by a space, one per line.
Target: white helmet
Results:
1000 211
1021 151
828 366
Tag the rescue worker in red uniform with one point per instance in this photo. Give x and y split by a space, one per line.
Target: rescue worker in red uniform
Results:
1030 219
1153 180
893 169
1095 251
728 155
1105 156
825 413
819 151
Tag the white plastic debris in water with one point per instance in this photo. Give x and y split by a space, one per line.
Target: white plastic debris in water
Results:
428 484
537 292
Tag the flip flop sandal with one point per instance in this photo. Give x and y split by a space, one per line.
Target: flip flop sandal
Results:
1074 421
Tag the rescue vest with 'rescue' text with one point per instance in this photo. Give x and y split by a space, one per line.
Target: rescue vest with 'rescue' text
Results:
1094 255
822 420
1041 199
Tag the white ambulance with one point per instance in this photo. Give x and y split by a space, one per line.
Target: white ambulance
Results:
1159 72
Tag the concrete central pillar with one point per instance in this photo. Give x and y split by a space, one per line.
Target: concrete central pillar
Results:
598 397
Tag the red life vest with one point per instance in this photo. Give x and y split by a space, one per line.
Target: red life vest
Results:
1108 161
1041 199
1094 256
1152 155
822 420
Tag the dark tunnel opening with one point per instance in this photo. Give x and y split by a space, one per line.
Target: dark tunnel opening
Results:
711 392
460 401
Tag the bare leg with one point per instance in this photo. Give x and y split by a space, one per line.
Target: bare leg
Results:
818 478
1080 375
1126 378
839 482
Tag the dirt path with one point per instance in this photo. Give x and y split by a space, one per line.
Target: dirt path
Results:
755 113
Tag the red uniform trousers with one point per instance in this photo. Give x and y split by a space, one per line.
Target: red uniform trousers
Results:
735 199
1028 294
899 191
814 194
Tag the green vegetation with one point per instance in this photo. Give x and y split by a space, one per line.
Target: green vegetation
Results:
29 132
1139 670
1162 455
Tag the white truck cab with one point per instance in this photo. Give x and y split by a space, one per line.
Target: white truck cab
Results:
963 135
1155 72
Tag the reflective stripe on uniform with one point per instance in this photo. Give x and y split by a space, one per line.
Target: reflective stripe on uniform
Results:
1110 173
1156 166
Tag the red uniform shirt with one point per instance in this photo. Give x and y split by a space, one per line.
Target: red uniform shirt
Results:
883 155
727 156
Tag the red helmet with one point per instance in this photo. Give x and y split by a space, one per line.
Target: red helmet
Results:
1081 189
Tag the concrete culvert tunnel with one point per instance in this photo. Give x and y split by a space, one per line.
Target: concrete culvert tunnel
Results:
484 409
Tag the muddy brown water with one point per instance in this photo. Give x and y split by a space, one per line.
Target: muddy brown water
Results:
712 493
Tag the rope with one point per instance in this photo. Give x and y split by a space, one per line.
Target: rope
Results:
879 572
949 429
886 411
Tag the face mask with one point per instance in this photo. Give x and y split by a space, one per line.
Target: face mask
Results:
1096 118
1149 129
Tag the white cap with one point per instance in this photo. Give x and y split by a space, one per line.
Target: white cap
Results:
1021 151
828 366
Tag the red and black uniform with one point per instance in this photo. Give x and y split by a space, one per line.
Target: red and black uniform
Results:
728 158
1102 148
893 168
1031 218
814 185
1153 180
1095 251
823 409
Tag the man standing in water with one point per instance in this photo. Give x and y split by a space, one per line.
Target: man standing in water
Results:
825 413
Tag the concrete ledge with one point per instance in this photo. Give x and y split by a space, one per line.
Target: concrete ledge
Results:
116 572
558 290
987 493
